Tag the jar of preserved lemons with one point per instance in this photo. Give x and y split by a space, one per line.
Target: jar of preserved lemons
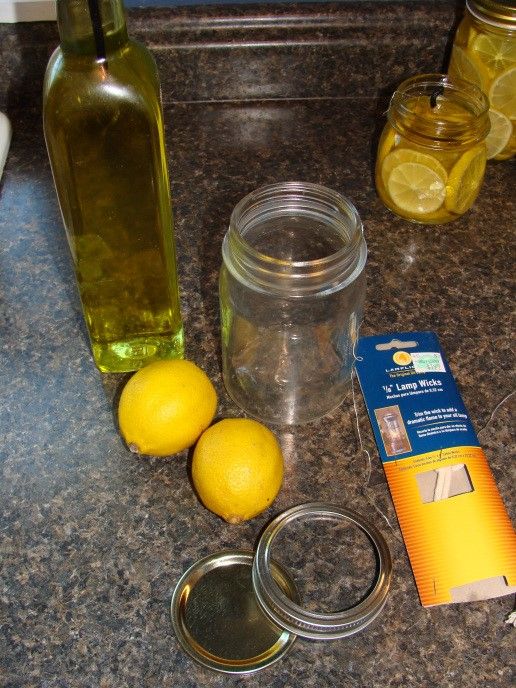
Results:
432 152
484 52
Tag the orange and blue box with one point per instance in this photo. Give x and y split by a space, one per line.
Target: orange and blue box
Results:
458 535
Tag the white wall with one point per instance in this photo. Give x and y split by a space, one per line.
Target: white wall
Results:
27 10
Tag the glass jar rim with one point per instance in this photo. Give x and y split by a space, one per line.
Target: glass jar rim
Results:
296 277
292 616
437 131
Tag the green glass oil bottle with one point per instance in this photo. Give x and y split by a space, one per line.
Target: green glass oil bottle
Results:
103 125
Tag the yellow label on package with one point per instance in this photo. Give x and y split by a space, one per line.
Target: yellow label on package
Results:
457 532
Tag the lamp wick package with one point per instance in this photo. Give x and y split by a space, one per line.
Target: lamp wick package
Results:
457 532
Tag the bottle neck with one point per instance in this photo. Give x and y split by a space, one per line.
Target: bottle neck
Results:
91 27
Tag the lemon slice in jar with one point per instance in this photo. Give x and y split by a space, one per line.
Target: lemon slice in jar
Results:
389 140
499 134
465 179
510 149
466 34
496 53
403 155
462 66
502 94
416 188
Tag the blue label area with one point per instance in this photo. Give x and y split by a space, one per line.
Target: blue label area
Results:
412 399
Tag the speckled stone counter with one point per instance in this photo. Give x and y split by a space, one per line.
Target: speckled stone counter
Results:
93 538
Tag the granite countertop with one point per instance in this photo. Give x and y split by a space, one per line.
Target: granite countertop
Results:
92 538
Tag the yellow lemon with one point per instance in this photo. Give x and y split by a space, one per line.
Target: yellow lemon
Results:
464 67
499 134
416 188
502 93
465 179
466 34
237 468
401 155
497 53
388 140
165 406
510 149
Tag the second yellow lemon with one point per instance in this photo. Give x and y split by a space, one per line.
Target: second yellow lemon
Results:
237 468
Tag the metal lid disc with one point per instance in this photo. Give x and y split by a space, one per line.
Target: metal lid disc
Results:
218 620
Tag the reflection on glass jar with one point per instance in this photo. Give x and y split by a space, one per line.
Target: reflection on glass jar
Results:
432 152
291 297
484 53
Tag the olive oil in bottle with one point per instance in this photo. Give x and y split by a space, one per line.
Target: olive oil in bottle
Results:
103 127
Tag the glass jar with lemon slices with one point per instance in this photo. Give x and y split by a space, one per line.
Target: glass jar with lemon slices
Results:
484 52
432 152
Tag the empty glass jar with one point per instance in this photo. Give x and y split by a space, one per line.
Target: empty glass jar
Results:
291 295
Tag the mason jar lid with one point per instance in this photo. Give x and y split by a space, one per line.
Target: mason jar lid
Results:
217 618
287 612
238 612
502 14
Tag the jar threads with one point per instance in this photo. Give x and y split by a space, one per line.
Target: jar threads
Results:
275 269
